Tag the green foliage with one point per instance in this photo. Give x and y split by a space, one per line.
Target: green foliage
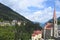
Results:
1 20
58 22
6 33
24 32
16 32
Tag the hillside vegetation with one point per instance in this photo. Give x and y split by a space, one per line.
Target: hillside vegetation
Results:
7 13
16 32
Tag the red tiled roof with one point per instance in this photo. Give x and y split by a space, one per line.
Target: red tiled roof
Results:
36 32
49 26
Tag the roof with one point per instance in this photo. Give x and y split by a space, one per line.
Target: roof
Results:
36 32
48 26
33 35
54 15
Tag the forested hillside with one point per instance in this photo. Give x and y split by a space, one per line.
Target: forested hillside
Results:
59 20
7 13
16 32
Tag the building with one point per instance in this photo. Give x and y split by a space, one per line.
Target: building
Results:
58 30
37 35
52 30
48 31
5 23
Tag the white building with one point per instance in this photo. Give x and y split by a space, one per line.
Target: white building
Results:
37 35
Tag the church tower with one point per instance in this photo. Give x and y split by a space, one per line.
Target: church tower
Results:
55 28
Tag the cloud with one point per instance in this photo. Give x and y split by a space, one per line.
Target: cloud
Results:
41 15
34 10
58 13
57 3
24 4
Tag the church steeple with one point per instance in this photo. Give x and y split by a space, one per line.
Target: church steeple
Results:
55 17
55 28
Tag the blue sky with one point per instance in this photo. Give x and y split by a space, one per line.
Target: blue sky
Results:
34 10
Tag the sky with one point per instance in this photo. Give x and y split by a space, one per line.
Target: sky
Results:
34 10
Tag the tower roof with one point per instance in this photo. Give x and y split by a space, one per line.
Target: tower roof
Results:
54 17
54 14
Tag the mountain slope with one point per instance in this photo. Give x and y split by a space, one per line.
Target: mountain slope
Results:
16 32
59 20
7 13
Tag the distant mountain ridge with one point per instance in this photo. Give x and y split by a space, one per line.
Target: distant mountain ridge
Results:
7 13
58 19
50 21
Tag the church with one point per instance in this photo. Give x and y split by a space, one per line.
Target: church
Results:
52 30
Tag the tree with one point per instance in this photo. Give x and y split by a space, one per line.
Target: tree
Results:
1 20
6 33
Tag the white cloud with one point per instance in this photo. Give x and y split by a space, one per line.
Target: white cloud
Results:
21 6
58 13
57 3
41 15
